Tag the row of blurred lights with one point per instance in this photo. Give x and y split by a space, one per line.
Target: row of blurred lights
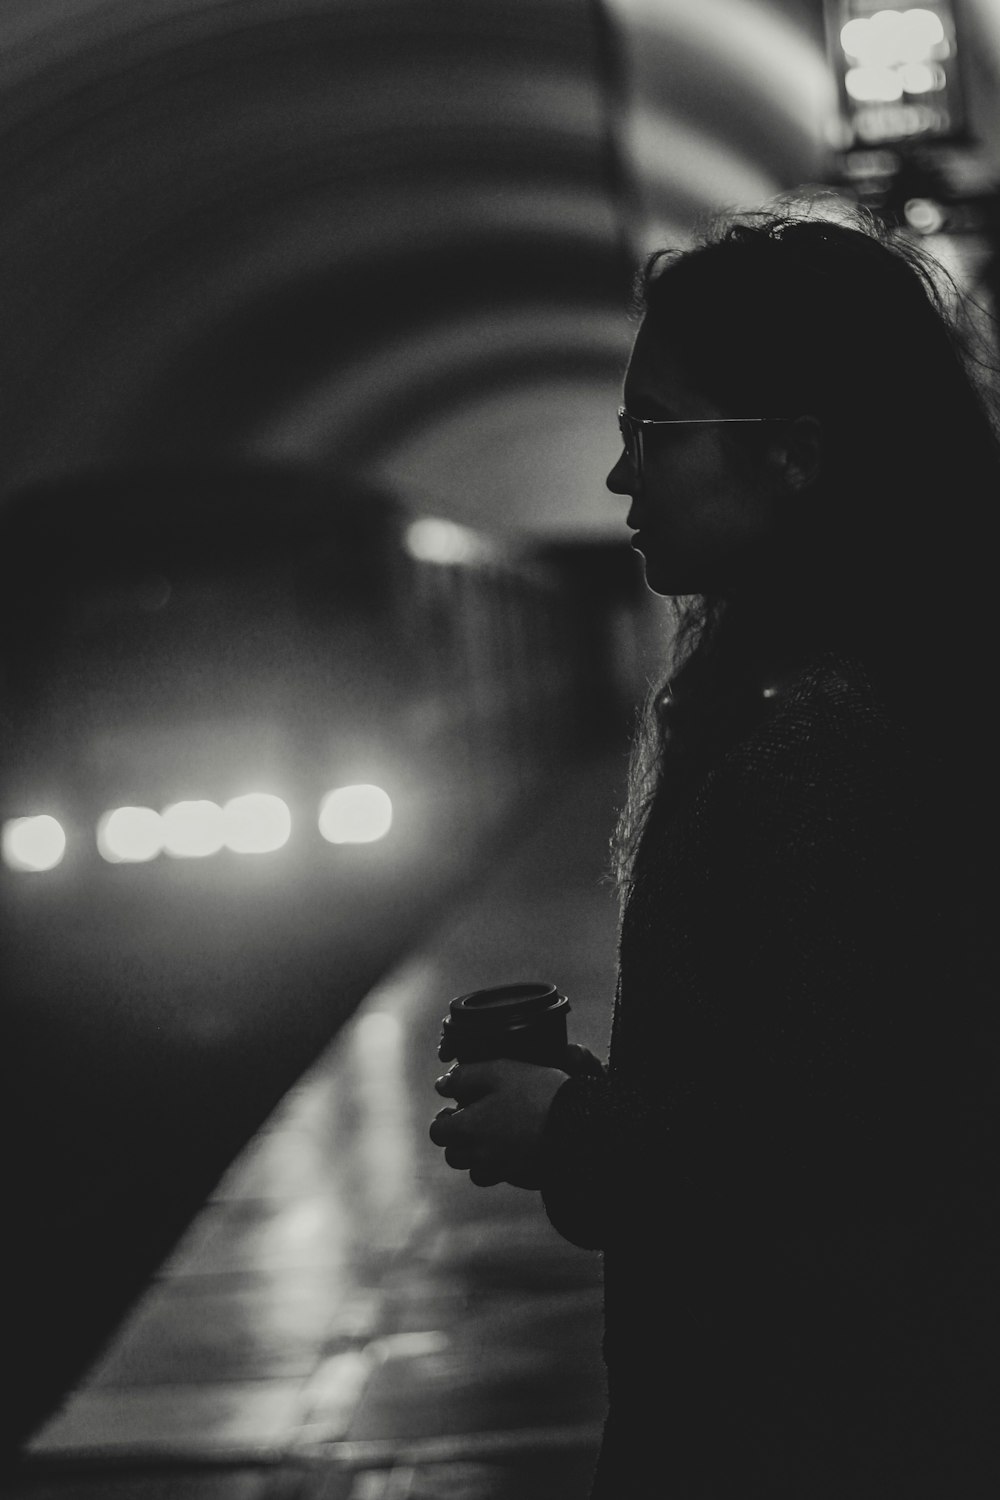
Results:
894 52
257 823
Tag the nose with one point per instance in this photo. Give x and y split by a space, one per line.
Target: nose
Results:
621 480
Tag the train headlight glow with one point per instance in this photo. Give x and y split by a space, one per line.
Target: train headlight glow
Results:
192 830
37 843
133 834
437 541
256 823
355 814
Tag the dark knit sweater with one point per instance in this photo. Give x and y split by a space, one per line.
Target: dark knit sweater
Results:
790 1166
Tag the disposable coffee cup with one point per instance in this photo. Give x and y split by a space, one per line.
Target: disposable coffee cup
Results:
525 1020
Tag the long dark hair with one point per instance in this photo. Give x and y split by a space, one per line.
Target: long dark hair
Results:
842 319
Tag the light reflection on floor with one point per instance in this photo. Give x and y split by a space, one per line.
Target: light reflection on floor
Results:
347 1310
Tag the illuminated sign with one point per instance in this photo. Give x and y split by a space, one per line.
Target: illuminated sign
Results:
897 72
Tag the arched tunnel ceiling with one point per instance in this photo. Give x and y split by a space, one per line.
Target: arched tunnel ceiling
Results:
371 234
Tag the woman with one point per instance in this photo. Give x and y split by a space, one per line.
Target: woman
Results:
789 1162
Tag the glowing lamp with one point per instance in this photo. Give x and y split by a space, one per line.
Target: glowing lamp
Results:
897 72
36 843
355 815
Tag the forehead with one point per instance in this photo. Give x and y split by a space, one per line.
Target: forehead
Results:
656 381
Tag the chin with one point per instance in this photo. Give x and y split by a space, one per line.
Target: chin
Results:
664 581
682 577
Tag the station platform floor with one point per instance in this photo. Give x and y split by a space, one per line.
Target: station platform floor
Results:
346 1318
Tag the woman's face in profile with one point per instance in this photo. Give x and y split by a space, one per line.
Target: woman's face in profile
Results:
705 506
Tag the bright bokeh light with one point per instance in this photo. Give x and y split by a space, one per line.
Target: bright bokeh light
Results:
36 843
924 215
922 78
355 815
873 85
853 38
891 37
921 35
255 823
192 830
437 541
131 834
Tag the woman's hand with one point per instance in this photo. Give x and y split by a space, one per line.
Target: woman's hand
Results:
494 1131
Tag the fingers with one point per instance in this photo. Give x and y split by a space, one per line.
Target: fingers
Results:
438 1134
463 1081
446 1131
467 1081
484 1176
445 1085
462 1130
459 1155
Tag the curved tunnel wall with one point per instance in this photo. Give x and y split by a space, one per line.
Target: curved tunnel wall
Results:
212 210
318 229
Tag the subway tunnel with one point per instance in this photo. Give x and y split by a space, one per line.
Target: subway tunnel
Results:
316 611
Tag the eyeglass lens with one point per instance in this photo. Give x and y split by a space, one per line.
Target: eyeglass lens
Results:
631 441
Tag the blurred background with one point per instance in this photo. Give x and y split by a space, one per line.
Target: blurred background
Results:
313 329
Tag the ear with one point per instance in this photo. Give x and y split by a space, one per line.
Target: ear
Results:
799 454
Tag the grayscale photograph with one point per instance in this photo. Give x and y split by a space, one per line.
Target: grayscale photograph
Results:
498 749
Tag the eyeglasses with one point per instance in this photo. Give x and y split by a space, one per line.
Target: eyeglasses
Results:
632 429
